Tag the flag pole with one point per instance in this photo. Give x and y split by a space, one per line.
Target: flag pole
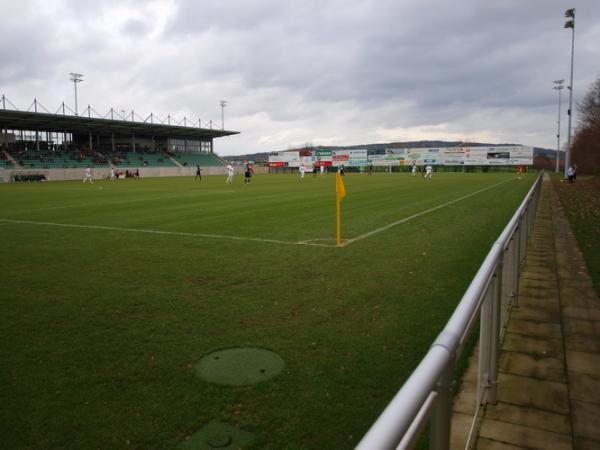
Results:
338 217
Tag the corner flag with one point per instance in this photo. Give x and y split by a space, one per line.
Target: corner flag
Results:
340 193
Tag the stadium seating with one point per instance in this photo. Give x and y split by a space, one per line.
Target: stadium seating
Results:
188 159
141 159
48 156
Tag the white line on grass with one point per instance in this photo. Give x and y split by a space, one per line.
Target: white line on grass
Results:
310 242
167 233
422 213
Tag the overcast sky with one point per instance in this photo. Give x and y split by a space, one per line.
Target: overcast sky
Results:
329 72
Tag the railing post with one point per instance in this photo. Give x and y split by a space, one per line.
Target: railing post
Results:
522 238
485 339
508 280
495 335
441 416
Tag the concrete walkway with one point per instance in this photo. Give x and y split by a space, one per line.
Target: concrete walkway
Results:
549 381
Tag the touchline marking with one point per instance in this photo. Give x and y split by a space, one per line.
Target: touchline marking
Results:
427 211
167 233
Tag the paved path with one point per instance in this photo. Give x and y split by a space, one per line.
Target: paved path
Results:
549 381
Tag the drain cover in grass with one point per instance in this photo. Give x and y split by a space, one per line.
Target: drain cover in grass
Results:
217 435
239 366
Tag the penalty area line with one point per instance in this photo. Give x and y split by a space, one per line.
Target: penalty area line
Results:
422 213
164 233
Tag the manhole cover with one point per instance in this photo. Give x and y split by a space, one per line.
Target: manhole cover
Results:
239 366
217 435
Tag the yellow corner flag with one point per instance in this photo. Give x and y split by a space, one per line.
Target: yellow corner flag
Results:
340 193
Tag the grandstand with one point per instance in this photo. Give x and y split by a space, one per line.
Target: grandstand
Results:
61 145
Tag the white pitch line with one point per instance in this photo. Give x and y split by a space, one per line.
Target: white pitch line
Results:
167 233
427 211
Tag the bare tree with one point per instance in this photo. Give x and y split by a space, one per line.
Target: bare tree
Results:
586 143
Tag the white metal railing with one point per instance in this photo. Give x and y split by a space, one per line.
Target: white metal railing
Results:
427 393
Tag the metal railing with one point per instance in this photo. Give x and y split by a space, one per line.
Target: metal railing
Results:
427 393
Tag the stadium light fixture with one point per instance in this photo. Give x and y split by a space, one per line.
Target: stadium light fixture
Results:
223 105
570 24
76 78
559 87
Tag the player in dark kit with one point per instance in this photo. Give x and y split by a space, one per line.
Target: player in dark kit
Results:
198 173
248 174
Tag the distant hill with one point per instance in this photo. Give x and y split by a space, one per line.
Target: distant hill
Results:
544 153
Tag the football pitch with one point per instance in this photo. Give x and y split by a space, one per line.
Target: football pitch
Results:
112 293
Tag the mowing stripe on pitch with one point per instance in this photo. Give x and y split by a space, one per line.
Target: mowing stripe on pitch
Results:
422 213
310 242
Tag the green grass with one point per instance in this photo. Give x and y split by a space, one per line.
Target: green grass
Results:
101 328
581 201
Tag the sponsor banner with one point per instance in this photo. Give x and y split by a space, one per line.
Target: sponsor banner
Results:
472 156
384 157
358 162
307 161
284 156
387 162
414 154
498 155
345 155
522 152
521 161
395 151
453 162
340 158
454 152
358 154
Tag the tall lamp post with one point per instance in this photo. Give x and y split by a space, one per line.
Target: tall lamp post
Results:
559 87
76 78
570 24
223 105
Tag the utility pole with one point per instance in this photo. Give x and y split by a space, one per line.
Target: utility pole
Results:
570 24
559 87
223 105
76 78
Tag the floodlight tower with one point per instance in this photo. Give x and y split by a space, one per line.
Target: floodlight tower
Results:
223 105
76 78
570 24
559 87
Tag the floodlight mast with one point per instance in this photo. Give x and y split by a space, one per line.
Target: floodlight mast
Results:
223 105
559 87
76 78
570 24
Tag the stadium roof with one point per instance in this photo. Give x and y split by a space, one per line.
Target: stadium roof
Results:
25 120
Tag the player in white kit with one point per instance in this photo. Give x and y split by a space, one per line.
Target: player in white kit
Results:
230 173
428 172
88 175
